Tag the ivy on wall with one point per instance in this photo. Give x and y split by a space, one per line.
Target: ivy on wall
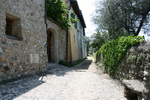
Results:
57 10
113 51
73 20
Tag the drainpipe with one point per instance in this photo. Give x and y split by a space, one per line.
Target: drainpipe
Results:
46 29
67 45
46 15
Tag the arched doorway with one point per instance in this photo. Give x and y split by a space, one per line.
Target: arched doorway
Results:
50 46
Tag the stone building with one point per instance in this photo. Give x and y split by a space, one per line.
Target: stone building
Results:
76 34
23 37
29 40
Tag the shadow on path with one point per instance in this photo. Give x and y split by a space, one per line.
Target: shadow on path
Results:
11 90
84 65
60 70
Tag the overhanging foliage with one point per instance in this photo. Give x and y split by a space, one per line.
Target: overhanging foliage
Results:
113 51
57 10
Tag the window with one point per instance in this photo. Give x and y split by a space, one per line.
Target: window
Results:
13 27
73 15
8 26
76 25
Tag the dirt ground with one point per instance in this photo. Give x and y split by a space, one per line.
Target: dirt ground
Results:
81 82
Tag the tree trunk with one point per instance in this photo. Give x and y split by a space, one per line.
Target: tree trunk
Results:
141 23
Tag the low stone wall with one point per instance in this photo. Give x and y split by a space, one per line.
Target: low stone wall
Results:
146 79
135 65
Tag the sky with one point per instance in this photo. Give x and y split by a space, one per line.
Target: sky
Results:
88 7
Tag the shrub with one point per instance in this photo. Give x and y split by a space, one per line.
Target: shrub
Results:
113 51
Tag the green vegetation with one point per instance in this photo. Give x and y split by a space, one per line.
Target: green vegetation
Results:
57 10
71 64
122 17
113 51
98 39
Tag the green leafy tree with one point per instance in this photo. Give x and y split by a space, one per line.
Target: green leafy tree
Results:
122 17
98 39
87 41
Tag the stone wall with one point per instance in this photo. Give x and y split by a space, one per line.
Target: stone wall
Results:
59 40
28 55
146 79
62 46
25 53
136 65
133 64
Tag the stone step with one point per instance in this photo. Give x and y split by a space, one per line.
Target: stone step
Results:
134 85
133 89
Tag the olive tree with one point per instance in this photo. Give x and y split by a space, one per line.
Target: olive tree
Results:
122 17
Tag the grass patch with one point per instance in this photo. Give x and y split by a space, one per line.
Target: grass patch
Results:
71 64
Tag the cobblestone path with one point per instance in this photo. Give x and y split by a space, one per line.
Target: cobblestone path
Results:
61 83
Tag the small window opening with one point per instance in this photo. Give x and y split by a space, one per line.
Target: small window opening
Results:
73 15
13 27
8 26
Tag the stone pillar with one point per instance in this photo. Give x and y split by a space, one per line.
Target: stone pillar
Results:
146 93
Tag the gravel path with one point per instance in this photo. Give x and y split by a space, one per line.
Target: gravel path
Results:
61 83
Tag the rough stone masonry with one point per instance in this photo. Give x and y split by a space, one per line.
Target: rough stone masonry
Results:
23 38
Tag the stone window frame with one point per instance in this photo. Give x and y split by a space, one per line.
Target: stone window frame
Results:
13 27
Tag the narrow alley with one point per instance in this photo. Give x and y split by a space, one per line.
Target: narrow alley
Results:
81 82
